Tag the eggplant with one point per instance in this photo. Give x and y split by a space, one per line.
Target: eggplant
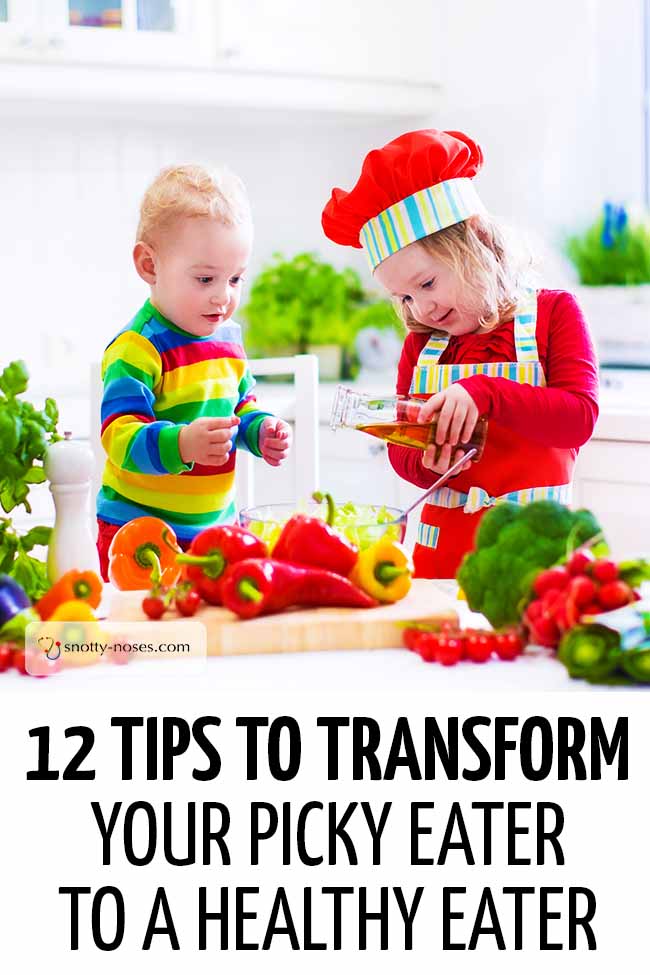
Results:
13 599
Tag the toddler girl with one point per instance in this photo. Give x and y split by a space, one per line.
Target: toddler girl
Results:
479 343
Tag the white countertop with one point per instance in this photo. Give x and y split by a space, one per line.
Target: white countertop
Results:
393 673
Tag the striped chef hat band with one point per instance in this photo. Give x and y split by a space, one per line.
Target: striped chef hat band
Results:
410 188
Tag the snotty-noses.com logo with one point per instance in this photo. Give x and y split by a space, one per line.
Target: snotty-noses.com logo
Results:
50 647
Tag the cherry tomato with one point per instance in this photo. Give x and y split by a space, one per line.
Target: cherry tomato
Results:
508 646
613 595
534 609
556 577
551 599
604 570
427 646
410 636
562 612
19 661
188 602
580 559
448 627
479 647
6 656
545 632
592 609
582 590
153 607
449 651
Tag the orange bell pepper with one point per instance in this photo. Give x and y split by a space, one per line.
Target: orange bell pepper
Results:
143 554
84 586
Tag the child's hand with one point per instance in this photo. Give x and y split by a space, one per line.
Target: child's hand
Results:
275 440
207 440
457 418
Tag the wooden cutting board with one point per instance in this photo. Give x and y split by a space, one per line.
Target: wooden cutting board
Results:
308 629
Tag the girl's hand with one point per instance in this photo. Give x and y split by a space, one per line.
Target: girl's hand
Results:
457 416
207 440
275 440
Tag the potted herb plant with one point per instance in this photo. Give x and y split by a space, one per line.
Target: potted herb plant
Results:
612 258
306 305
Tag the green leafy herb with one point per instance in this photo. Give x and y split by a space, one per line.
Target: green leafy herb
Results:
25 434
306 301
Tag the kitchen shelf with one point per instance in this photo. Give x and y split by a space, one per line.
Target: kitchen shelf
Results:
118 90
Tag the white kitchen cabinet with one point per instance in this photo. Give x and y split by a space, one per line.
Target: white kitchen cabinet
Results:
612 479
130 32
244 54
335 38
18 22
135 32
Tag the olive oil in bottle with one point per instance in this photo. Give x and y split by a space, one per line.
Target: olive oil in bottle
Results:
405 433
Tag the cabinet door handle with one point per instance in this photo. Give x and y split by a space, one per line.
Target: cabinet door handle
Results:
228 53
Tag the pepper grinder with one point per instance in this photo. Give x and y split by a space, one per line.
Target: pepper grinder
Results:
68 467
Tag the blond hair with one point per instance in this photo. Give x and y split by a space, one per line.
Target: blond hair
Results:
477 251
191 191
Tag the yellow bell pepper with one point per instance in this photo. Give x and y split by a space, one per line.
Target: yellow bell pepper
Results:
384 571
73 610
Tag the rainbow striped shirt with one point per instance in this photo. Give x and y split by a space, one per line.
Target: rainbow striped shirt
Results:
156 379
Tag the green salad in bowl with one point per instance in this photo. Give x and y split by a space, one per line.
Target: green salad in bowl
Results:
363 524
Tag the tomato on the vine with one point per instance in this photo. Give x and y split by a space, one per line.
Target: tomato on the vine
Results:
19 661
449 650
427 646
508 646
410 636
6 656
153 607
188 602
479 647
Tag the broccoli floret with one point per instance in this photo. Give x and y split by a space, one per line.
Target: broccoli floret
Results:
500 516
514 543
548 518
585 527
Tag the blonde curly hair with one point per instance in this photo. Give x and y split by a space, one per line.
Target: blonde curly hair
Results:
476 249
191 191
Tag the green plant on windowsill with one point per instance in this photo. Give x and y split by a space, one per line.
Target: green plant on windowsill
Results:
613 250
301 304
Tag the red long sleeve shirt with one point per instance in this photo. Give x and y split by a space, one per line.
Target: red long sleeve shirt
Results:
560 414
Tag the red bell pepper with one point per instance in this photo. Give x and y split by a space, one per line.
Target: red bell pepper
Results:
306 540
255 587
210 554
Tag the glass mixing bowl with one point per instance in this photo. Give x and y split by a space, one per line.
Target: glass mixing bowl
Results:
363 524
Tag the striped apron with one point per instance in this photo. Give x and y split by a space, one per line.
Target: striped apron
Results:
512 467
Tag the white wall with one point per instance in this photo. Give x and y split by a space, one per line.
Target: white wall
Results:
552 91
69 196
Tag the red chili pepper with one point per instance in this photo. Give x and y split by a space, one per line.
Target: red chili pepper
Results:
210 554
306 540
255 587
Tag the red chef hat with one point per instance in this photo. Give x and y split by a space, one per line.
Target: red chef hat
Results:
412 187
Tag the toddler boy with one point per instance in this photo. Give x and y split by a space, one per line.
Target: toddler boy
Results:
178 396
